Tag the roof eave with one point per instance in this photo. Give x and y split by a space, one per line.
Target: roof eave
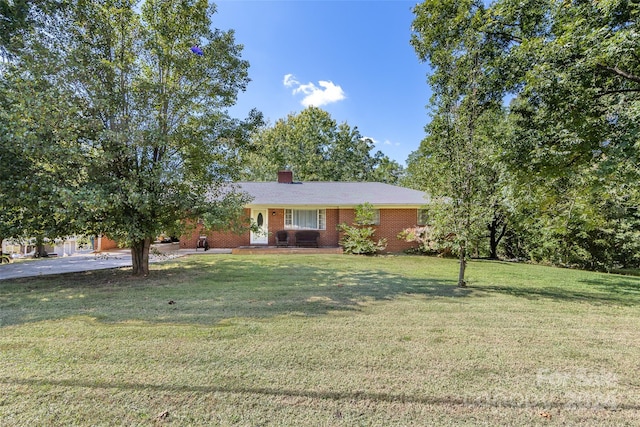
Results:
330 206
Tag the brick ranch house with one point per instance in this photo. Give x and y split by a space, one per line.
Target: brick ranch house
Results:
293 206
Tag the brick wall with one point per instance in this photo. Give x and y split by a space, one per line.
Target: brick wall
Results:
106 244
392 222
216 239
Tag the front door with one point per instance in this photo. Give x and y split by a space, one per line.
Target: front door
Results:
260 219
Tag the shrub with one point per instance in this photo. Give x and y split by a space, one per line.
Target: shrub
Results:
359 237
429 242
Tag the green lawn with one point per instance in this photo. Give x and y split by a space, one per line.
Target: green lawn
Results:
321 341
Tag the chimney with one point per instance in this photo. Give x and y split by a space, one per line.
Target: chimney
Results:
285 177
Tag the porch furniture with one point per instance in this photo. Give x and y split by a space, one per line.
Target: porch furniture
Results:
202 243
308 238
282 238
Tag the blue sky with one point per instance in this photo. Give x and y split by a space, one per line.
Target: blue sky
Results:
350 58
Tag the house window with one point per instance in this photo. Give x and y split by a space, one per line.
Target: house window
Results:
423 217
376 217
366 215
305 219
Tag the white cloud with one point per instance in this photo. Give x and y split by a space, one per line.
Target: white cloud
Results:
385 142
325 93
375 141
290 80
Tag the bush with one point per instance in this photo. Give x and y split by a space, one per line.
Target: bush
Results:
358 238
429 242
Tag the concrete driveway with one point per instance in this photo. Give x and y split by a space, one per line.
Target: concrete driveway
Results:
67 264
116 258
94 261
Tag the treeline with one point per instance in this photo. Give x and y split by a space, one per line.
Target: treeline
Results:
533 148
316 148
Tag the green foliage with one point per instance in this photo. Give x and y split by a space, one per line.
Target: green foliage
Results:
41 154
429 169
365 214
316 148
117 97
574 152
360 240
359 237
428 240
228 215
568 158
447 35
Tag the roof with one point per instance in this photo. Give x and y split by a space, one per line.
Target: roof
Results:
331 194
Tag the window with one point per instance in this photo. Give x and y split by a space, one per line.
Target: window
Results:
423 217
370 217
305 219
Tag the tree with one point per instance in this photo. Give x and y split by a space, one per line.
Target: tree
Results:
493 182
575 72
447 36
316 148
39 156
163 146
30 184
572 72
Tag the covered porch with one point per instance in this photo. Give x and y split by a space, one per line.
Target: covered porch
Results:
279 250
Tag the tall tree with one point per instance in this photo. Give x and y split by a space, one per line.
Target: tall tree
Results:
316 148
40 158
576 75
446 36
493 182
164 146
572 70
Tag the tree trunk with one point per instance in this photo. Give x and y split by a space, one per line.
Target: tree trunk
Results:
463 265
39 248
493 245
140 257
495 236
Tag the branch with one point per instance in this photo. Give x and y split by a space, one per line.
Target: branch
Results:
502 233
622 73
505 36
609 92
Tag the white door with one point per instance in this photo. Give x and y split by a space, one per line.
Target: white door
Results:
259 217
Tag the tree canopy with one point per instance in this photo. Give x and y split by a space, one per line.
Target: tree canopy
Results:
153 140
316 148
569 73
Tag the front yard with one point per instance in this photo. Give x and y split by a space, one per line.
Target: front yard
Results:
321 340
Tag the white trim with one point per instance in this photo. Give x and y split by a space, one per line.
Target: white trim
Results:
261 237
321 218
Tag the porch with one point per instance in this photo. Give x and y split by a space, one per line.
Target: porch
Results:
275 250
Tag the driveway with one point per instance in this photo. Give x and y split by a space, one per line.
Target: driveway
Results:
93 261
67 264
85 262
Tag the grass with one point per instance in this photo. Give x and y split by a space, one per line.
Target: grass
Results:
321 341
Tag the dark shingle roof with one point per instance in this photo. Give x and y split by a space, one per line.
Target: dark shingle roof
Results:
331 194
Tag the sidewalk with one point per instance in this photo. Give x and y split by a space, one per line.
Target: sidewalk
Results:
93 261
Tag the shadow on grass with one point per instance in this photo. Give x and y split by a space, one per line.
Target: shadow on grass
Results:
606 290
350 396
208 292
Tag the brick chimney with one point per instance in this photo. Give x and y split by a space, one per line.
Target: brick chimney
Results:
285 177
